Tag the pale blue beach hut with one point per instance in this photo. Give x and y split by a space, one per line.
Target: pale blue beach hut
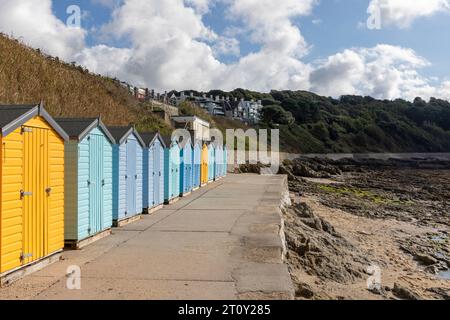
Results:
127 174
186 173
171 170
219 161
153 171
196 163
211 162
88 181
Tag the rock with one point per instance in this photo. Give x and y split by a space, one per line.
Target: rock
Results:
314 223
303 211
304 290
440 292
377 289
404 293
425 259
286 171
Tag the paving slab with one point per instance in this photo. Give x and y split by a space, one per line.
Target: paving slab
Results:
223 241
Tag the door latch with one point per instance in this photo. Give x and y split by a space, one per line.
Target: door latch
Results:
24 256
24 194
48 191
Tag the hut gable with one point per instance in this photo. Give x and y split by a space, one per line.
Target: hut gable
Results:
79 128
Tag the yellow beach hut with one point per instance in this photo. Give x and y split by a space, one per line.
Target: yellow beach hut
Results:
31 187
204 174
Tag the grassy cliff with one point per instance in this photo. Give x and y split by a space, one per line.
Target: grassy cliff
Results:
28 76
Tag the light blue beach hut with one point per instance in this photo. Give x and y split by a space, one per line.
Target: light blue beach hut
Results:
225 161
153 171
171 170
211 162
88 181
196 163
186 173
219 161
127 174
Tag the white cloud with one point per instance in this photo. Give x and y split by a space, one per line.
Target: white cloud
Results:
170 47
34 22
200 6
402 13
108 3
383 71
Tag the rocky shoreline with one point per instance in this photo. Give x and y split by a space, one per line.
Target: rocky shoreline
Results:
353 216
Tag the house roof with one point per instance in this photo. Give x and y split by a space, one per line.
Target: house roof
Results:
121 134
79 128
150 137
14 116
168 141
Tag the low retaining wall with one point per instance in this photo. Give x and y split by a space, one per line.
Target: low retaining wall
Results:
261 272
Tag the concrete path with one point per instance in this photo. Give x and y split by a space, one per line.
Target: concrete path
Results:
221 242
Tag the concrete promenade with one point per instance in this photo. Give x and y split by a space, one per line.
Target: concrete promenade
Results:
224 241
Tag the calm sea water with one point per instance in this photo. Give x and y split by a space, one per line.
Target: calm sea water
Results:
445 275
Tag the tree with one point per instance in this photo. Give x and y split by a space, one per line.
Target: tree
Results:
276 114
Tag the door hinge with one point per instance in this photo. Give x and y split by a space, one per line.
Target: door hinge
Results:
26 130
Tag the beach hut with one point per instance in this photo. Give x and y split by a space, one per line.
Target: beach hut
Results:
153 172
225 161
186 173
219 161
128 175
196 164
211 162
171 170
204 165
31 189
88 188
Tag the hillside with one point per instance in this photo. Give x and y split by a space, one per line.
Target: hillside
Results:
308 123
28 76
314 124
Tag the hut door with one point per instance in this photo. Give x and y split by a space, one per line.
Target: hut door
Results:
175 176
161 175
35 194
131 177
151 176
156 173
96 184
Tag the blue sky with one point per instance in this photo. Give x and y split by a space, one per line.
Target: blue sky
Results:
337 30
320 41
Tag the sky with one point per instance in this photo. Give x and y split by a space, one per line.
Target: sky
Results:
387 49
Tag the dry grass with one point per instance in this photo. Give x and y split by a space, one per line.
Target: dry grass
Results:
27 76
